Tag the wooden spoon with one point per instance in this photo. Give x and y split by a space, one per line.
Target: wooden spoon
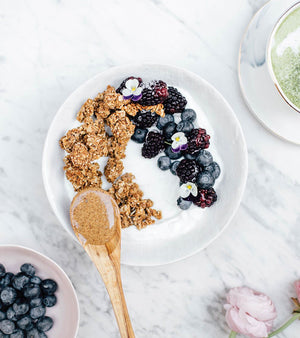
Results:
95 219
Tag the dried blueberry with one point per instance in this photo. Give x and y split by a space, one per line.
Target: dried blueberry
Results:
188 115
37 312
28 269
48 286
205 180
8 295
183 204
162 121
170 153
204 158
31 290
44 324
7 326
2 270
35 302
25 323
164 163
49 301
19 280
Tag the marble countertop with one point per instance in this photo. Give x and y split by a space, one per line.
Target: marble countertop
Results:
48 48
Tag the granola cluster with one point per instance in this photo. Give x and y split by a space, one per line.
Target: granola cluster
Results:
91 141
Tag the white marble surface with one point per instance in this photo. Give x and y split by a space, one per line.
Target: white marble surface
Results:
50 47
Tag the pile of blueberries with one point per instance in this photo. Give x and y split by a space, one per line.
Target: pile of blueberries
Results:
23 301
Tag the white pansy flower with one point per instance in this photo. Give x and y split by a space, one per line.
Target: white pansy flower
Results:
188 188
179 142
132 90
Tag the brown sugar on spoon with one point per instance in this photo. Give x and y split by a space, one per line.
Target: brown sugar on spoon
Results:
91 141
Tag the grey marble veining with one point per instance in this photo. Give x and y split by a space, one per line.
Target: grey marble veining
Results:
49 48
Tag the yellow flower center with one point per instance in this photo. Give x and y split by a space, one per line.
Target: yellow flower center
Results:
189 187
133 89
177 138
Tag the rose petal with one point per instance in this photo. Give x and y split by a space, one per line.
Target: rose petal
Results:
132 83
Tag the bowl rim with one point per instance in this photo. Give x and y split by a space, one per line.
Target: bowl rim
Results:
17 246
175 68
268 55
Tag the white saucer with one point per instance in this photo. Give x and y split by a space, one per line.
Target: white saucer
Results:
180 233
256 83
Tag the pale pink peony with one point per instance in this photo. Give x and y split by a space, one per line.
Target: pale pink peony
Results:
249 312
297 288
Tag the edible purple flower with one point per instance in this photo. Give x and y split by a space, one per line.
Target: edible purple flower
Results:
180 142
132 90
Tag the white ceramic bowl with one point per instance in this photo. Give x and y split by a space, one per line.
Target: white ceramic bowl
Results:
180 233
269 60
65 313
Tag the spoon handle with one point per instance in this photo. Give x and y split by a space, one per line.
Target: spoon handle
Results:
108 265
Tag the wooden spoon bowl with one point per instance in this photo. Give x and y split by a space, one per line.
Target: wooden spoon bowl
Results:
95 219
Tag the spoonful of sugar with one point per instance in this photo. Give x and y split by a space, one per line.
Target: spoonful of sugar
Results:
96 222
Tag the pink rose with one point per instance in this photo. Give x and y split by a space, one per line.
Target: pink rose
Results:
297 288
249 312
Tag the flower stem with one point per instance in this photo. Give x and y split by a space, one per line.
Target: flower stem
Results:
285 325
232 334
168 143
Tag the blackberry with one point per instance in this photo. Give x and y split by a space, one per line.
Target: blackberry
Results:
145 119
205 198
187 171
155 143
198 139
175 103
154 93
122 85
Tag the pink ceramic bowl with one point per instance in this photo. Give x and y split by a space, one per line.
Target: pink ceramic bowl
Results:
65 313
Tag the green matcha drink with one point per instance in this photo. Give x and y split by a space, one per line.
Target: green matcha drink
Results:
285 55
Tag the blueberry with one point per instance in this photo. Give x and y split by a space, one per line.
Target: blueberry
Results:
190 156
171 154
34 333
169 129
17 334
28 269
35 280
139 135
6 280
174 166
8 295
44 324
2 315
37 312
20 307
31 290
185 127
214 169
49 301
164 163
35 302
25 323
11 314
162 121
48 286
204 158
2 270
7 326
205 180
189 115
183 204
19 280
